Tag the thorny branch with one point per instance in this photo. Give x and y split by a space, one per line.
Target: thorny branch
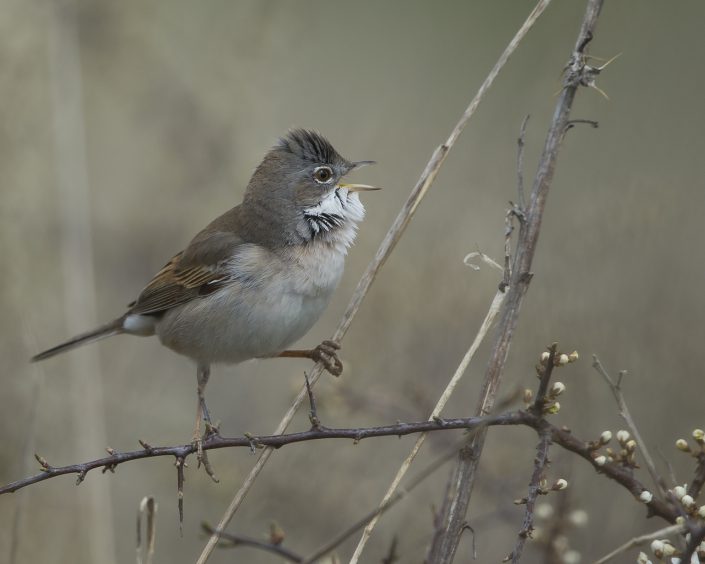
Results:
577 73
559 436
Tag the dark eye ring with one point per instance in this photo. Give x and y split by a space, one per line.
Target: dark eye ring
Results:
322 174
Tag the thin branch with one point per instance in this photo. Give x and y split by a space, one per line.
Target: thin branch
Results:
624 412
527 526
561 437
577 73
520 164
642 540
181 452
241 540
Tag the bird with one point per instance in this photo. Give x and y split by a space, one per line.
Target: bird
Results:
257 278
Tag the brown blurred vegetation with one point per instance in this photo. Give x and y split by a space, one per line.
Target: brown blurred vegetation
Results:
181 99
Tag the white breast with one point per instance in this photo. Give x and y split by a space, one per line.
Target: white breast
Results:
274 301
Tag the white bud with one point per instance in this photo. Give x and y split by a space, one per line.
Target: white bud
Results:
544 357
657 547
574 356
698 435
544 511
643 559
563 359
631 445
571 557
646 496
560 484
601 460
687 501
679 492
605 437
680 520
701 511
557 389
622 436
682 444
668 549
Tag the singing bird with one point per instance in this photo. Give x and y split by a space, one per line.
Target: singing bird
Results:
258 277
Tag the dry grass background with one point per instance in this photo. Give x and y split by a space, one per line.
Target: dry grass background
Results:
181 99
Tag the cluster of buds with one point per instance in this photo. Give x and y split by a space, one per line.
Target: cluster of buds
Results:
696 451
662 548
626 455
559 359
687 501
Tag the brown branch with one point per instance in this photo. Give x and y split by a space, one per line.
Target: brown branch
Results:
697 535
577 73
527 526
561 437
241 540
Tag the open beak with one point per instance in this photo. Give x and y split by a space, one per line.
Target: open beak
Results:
358 187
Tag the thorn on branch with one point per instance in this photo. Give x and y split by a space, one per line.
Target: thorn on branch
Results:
146 446
180 463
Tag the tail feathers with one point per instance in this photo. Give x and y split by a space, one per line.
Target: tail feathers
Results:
107 330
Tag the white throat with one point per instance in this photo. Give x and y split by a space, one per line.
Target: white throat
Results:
334 219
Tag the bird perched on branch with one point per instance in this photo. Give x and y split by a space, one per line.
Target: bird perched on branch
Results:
259 276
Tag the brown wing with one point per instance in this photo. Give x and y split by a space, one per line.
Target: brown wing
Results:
193 273
173 286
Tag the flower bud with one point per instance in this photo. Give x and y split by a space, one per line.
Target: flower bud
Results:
657 548
631 445
701 512
646 496
682 444
563 359
687 501
557 389
605 437
560 484
622 436
668 549
601 460
552 409
578 518
544 357
574 356
680 520
571 557
699 435
643 559
679 492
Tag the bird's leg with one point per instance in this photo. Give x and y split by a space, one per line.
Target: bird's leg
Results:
326 353
203 372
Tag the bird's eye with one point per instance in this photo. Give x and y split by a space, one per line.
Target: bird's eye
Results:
322 174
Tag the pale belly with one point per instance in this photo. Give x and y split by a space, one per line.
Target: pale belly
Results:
242 322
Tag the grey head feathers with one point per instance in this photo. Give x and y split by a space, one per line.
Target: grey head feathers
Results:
310 146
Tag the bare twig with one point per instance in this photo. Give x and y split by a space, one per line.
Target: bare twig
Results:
527 525
241 540
445 544
641 540
616 389
393 235
520 164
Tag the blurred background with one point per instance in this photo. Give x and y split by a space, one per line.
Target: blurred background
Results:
126 127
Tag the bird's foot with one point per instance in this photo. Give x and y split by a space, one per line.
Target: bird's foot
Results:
327 354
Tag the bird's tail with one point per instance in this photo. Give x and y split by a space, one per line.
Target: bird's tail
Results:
115 327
